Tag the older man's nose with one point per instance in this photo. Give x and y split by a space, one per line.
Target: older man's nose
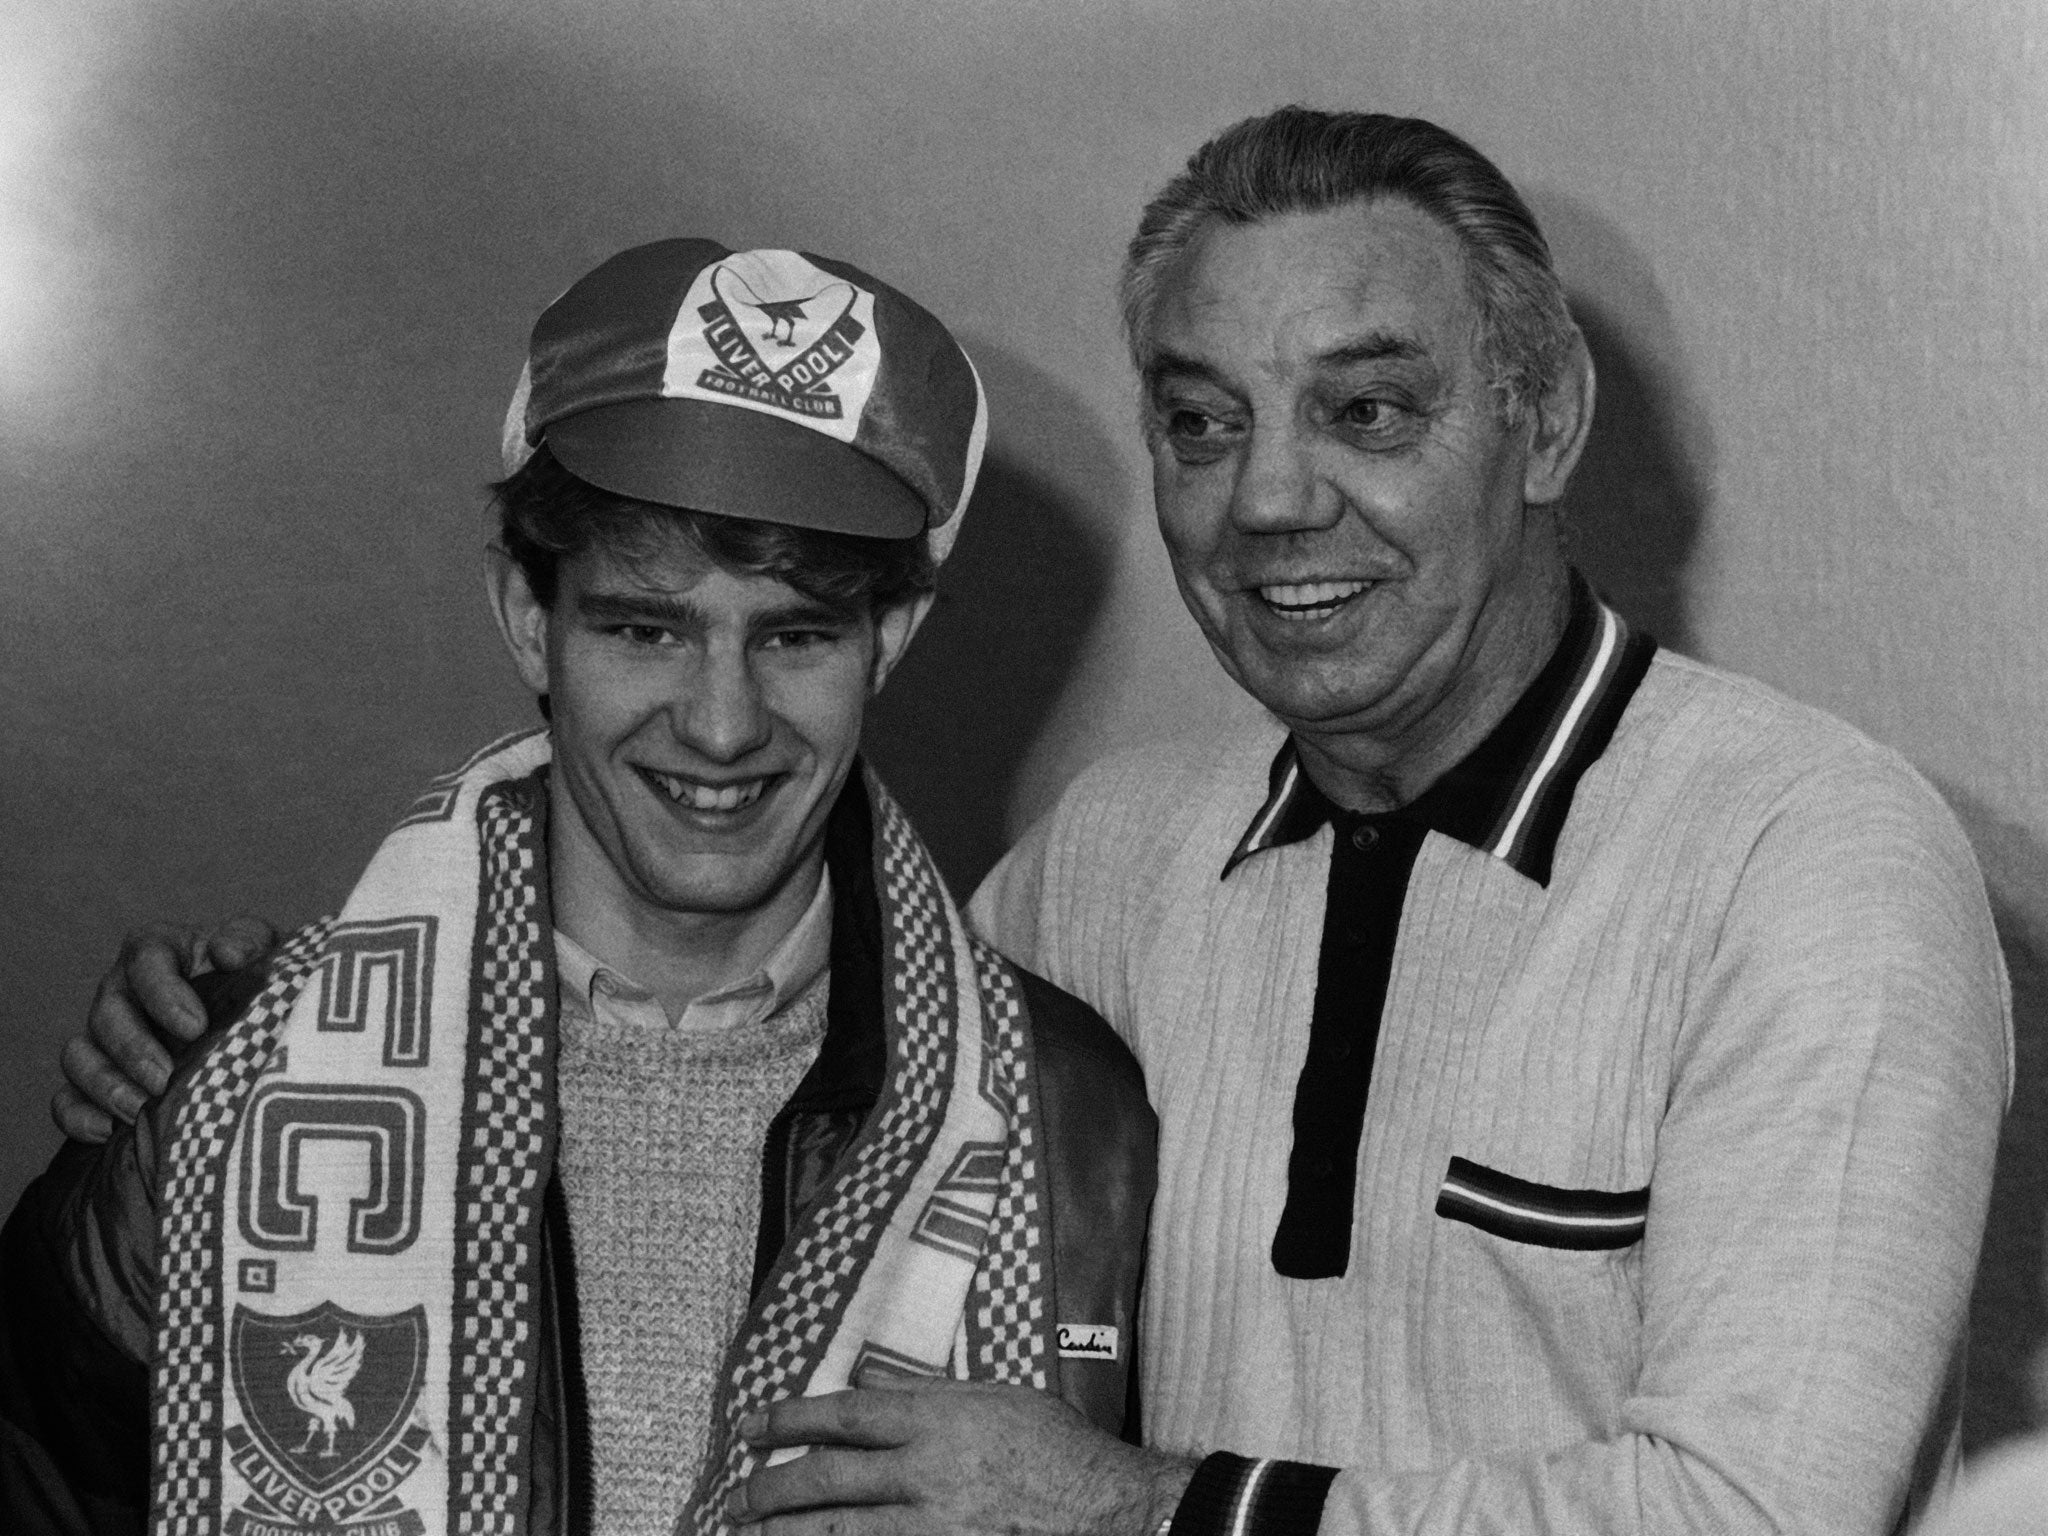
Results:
1279 489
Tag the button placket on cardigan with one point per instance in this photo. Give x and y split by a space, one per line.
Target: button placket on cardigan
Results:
1370 860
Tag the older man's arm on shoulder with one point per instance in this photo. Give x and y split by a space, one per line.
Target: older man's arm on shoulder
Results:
1821 1179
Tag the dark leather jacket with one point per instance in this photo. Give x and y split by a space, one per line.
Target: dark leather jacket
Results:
78 1256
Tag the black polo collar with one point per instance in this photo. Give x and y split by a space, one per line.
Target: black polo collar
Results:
1510 796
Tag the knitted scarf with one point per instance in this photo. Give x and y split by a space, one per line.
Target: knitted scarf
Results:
348 1320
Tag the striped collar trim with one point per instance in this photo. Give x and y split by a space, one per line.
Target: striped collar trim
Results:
1510 797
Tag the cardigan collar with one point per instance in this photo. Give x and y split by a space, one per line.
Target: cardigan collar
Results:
1510 796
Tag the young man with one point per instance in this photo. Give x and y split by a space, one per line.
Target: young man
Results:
649 1074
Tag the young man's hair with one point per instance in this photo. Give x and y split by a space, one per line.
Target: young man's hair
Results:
547 514
1298 160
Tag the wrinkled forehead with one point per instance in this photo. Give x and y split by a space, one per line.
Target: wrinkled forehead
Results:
1303 284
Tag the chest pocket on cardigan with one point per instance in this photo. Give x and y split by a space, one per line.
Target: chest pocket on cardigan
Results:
1541 1214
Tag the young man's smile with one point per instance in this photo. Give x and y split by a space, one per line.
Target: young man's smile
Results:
707 800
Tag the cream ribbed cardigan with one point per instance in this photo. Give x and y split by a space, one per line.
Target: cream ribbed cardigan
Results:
1762 981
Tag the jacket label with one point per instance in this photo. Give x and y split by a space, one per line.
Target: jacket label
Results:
1087 1341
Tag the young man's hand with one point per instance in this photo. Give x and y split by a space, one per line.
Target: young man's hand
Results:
144 1000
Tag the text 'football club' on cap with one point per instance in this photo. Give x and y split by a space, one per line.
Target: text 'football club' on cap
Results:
773 385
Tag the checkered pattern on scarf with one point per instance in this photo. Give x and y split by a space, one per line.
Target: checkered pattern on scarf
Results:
444 793
191 1344
499 1181
1006 1322
775 1355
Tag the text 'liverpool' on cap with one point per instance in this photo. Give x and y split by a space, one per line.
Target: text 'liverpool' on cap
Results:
774 385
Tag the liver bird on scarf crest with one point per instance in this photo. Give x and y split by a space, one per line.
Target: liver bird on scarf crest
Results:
318 1384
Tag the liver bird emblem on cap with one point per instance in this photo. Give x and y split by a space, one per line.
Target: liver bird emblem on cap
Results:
318 1384
783 313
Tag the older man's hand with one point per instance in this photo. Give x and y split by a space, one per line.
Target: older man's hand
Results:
946 1458
145 1002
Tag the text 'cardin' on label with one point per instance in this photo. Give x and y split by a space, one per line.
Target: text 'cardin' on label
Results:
1087 1341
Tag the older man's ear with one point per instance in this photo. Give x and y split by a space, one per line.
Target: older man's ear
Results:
1558 424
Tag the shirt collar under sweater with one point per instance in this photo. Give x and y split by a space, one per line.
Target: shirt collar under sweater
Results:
1509 797
598 990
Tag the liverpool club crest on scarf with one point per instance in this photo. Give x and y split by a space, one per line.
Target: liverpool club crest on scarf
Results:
327 1433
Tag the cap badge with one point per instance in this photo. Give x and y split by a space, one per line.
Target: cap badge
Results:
773 332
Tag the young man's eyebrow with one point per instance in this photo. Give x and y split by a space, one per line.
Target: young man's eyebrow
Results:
810 612
677 609
637 608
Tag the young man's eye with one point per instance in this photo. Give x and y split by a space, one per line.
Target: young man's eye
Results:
645 634
797 639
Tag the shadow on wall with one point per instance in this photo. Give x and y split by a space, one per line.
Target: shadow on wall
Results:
953 730
1640 497
1636 503
2008 1366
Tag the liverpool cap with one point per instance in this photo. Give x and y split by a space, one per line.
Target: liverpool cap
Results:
774 385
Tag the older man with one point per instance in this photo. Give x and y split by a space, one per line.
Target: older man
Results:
1578 1068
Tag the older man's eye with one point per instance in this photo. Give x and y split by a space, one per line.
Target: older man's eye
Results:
1370 412
1194 435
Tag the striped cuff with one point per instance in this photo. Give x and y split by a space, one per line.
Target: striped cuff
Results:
1237 1496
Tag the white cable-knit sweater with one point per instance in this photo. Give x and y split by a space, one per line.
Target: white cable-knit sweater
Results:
1762 982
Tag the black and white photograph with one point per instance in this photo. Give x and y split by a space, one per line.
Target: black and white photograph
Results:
1063 768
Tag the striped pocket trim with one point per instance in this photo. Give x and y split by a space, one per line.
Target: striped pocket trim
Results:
1542 1214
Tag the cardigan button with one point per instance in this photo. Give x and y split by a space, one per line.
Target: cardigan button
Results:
1365 839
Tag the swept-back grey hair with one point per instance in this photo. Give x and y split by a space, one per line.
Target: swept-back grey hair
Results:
1297 160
